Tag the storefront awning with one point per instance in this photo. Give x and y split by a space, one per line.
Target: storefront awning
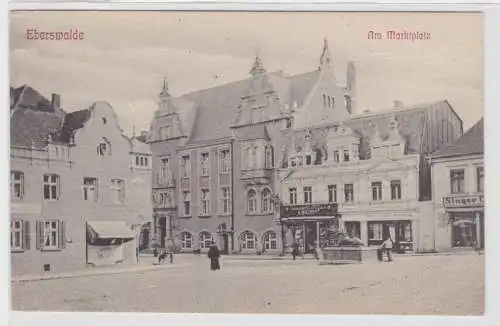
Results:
110 230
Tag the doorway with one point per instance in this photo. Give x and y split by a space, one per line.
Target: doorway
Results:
310 236
162 225
225 244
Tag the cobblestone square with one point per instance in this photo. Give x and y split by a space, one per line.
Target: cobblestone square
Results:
449 285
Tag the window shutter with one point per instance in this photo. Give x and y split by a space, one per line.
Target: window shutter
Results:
26 235
62 234
39 235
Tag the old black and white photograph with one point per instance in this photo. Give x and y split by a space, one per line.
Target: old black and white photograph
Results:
247 162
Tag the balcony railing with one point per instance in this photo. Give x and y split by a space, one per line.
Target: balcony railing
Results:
165 181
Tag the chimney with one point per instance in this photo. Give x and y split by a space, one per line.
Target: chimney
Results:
56 102
398 104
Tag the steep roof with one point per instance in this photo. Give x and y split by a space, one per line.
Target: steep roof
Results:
470 143
216 107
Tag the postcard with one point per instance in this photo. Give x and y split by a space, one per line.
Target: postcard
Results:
247 162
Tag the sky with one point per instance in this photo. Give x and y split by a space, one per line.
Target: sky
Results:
124 56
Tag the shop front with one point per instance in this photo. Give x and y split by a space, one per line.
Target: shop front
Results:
465 214
310 224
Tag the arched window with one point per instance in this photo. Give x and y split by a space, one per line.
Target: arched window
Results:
205 239
248 240
104 147
266 201
252 201
186 240
270 240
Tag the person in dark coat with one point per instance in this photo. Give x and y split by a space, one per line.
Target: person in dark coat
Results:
214 255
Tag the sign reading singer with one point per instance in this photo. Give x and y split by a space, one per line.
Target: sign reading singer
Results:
463 201
309 210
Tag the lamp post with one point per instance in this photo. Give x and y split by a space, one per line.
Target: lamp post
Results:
276 201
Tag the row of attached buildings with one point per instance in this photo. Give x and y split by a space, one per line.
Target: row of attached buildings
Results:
220 164
226 158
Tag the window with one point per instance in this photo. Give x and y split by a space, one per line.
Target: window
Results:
293 161
480 179
16 184
205 202
300 160
146 161
118 190
336 156
329 101
166 198
395 189
186 240
51 234
185 166
249 158
463 233
348 192
224 161
353 229
186 200
165 168
270 240
269 157
348 103
266 201
404 231
164 132
332 193
374 231
333 102
204 161
254 158
346 155
293 195
90 189
307 195
226 200
19 234
205 240
377 190
248 241
51 186
252 201
103 148
137 161
457 179
288 123
256 114
324 100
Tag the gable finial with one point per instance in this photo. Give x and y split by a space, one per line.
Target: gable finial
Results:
258 66
325 59
164 91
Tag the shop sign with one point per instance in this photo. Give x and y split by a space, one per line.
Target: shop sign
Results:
465 200
311 210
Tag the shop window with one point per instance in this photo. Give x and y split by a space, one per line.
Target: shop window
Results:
353 229
375 231
457 180
463 232
404 231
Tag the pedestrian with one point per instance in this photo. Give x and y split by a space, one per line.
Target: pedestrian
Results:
387 247
214 255
295 250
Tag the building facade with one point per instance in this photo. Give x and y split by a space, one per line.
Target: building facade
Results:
223 158
458 188
71 171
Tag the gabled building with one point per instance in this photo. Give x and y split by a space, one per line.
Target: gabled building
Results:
223 156
77 187
458 189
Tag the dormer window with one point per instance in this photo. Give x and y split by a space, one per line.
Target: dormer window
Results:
103 148
328 101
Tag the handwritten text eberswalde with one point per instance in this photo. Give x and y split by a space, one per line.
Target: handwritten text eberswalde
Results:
67 35
399 36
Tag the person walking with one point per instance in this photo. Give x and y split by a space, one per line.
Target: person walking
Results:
387 247
214 255
295 250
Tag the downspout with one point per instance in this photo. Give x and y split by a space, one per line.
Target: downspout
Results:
232 195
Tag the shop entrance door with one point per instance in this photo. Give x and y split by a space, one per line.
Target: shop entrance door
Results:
311 236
